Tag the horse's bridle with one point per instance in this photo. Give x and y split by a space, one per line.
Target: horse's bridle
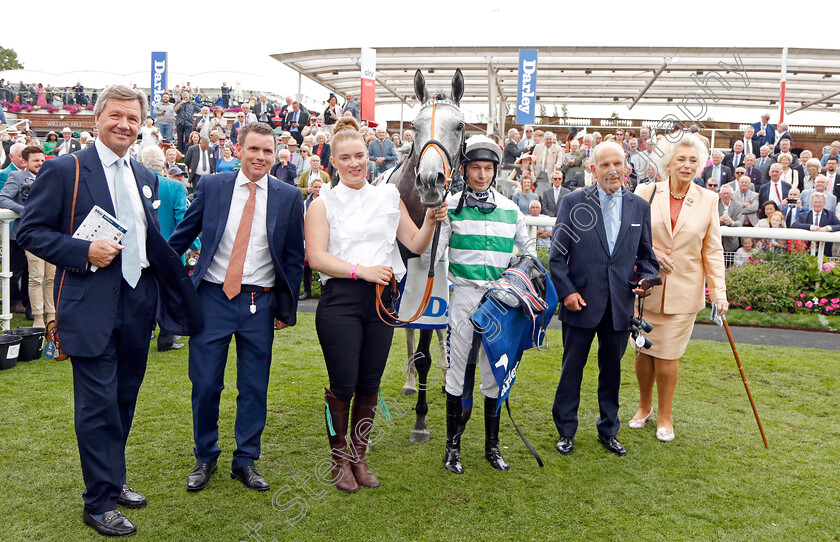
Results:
450 166
450 169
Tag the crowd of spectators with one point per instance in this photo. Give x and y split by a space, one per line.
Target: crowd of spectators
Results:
760 176
537 166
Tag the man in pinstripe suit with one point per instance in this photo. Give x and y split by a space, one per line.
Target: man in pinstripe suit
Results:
601 248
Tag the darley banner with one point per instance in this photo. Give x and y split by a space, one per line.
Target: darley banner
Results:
527 88
158 79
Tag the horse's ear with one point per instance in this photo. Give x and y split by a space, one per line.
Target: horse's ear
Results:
420 87
458 86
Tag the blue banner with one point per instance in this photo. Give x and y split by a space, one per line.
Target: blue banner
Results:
526 96
158 85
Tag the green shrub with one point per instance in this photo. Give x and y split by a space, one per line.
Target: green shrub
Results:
762 286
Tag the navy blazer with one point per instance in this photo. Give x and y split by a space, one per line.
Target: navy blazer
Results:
805 219
580 260
769 137
764 192
208 214
88 304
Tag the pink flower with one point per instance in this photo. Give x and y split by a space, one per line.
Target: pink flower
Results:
801 295
798 303
809 304
748 307
829 309
823 301
828 266
835 300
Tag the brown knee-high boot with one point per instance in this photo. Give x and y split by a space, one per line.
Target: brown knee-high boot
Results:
337 413
362 421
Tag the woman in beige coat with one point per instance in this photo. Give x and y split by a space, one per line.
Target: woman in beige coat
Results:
686 239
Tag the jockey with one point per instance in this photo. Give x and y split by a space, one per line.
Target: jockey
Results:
483 230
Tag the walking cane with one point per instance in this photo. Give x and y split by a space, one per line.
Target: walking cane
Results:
744 378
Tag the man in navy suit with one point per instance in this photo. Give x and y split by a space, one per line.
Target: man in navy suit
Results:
818 219
601 249
764 132
783 134
248 276
774 190
106 317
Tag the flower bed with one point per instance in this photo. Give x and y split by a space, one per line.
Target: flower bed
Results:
786 282
25 108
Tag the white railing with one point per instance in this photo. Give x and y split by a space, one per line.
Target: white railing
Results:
14 126
818 249
6 217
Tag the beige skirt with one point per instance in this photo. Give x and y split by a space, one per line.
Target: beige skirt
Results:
670 335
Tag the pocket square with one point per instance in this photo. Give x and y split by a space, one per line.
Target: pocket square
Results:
637 225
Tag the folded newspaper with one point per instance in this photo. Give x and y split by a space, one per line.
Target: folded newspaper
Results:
99 225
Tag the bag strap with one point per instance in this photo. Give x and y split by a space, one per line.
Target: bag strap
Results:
72 226
650 199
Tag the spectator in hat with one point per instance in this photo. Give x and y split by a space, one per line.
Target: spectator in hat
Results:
67 144
50 143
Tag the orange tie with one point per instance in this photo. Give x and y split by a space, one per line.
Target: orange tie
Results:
233 277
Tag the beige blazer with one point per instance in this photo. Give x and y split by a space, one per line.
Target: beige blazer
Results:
554 154
694 246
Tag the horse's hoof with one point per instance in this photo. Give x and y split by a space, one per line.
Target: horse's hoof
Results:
419 435
408 391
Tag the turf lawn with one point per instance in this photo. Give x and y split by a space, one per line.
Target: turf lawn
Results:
716 481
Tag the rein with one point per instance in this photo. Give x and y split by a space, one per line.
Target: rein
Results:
448 167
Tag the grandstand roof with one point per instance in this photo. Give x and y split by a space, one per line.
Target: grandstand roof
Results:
589 75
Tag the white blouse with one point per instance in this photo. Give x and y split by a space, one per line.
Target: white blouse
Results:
363 226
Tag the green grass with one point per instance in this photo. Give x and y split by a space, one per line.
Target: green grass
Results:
741 317
716 481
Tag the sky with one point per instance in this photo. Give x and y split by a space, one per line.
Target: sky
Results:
214 41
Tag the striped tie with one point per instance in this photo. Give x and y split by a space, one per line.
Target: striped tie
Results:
125 214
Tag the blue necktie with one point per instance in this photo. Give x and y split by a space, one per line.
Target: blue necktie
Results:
610 212
125 214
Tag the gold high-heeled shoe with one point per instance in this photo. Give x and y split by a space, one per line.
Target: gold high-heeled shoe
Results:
640 424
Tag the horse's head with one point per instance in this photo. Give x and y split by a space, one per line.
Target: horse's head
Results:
438 140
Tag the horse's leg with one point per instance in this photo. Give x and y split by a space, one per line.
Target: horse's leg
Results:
410 386
422 362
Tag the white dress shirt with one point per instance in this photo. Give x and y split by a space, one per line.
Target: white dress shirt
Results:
259 268
556 191
109 165
776 193
204 157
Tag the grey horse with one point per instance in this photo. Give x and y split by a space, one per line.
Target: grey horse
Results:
422 178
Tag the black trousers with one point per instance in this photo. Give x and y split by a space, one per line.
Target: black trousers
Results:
184 131
19 288
354 340
576 344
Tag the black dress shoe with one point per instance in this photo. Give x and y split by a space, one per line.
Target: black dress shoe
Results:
130 498
565 445
113 523
250 478
612 445
199 478
305 295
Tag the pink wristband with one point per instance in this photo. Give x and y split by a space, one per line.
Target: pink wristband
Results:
353 271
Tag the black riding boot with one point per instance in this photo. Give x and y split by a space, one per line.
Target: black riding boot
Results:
452 458
491 435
